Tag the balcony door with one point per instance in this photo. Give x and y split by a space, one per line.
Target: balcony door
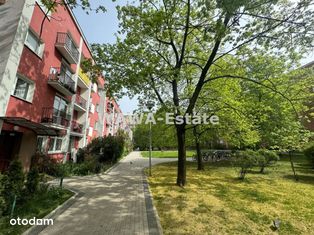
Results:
65 73
60 107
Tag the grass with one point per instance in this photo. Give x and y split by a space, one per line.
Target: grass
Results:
216 202
166 154
37 206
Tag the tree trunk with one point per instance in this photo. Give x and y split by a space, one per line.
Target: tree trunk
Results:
181 176
200 165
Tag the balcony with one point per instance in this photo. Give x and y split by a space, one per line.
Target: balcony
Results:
77 128
67 48
61 81
56 117
83 80
80 104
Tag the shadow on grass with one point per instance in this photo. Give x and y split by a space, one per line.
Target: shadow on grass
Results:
305 179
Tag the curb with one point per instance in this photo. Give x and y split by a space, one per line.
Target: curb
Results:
153 219
36 229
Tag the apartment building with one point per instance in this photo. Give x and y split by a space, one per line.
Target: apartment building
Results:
114 118
47 102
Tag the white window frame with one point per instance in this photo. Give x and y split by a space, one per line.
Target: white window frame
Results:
92 108
41 148
30 90
40 48
97 108
95 87
90 131
54 150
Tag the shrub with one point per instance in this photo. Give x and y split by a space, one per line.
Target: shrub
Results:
245 160
32 181
62 171
266 158
80 155
13 183
45 164
2 201
105 149
309 153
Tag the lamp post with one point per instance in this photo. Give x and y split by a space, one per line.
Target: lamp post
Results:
150 105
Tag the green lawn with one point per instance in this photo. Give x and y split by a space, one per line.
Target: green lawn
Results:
37 206
166 154
216 202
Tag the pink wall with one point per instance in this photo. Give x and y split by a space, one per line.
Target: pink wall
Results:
37 69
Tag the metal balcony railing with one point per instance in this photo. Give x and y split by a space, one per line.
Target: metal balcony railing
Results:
63 78
66 41
79 100
77 127
55 116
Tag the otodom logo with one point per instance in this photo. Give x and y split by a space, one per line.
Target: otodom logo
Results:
32 221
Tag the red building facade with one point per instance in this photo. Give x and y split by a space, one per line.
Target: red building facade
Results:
53 106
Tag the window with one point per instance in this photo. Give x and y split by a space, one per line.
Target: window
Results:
21 89
24 88
34 43
66 73
60 106
90 131
40 144
96 125
92 108
52 144
95 87
55 144
97 108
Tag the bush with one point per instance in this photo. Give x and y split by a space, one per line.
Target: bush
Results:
2 201
62 171
32 181
245 160
266 158
91 165
45 164
13 183
105 149
80 155
309 153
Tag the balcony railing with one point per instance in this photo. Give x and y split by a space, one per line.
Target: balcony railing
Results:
55 116
77 127
80 101
67 47
60 76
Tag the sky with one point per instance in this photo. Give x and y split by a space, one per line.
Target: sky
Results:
101 28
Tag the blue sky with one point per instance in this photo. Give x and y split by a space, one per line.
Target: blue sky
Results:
101 27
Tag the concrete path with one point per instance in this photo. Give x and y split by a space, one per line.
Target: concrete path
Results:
113 203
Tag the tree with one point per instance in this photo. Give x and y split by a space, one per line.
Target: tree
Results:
171 48
163 136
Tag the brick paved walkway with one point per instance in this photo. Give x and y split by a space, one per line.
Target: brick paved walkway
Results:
114 203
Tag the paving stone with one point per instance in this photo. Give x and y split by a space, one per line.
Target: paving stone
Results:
112 203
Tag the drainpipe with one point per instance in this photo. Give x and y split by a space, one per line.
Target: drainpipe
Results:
68 136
